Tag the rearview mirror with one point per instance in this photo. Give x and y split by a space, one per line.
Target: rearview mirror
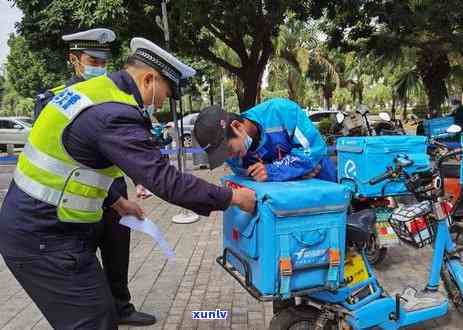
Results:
384 116
453 129
17 126
403 161
363 110
340 117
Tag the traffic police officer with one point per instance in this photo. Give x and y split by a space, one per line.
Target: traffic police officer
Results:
85 138
89 52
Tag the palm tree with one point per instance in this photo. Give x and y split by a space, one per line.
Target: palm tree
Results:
407 83
298 46
432 30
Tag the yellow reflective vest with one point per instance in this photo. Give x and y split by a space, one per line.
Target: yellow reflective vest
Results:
46 172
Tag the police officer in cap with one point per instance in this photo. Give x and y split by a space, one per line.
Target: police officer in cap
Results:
89 52
85 137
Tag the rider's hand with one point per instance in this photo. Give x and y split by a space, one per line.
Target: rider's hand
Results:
125 207
258 172
142 192
245 199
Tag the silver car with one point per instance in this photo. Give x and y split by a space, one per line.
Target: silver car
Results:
188 125
14 130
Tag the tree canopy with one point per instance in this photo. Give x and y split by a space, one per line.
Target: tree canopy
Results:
321 53
433 30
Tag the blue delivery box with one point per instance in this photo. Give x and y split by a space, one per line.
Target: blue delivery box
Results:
438 126
360 159
295 241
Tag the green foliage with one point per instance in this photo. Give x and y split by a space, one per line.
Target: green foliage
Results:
378 96
2 87
407 83
324 126
198 28
13 104
269 94
245 27
342 97
27 71
391 29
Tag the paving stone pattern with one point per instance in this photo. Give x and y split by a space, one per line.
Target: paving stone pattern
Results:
195 282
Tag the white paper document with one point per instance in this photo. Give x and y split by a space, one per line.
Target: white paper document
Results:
149 227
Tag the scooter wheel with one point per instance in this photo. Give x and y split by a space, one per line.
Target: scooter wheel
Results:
279 305
298 318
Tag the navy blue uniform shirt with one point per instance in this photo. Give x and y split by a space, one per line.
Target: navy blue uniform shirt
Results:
103 135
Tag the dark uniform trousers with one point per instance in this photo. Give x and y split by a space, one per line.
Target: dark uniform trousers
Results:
114 244
66 281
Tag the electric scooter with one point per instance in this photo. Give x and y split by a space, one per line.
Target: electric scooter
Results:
382 237
431 221
362 303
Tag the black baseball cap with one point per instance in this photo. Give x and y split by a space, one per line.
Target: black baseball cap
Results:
210 132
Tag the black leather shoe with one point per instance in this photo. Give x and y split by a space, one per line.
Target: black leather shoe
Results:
139 319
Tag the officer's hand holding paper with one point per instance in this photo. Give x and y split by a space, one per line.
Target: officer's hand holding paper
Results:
142 192
149 227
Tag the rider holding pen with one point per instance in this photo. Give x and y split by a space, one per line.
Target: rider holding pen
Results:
273 141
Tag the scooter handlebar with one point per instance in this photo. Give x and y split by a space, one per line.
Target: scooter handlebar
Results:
381 178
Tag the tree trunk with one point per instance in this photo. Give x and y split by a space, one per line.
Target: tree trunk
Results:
327 96
394 98
250 85
211 92
360 91
434 67
291 86
259 88
404 113
190 101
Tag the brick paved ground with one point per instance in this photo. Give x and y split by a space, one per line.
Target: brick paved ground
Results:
194 282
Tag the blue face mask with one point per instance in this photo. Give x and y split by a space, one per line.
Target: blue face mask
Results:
150 109
93 71
247 143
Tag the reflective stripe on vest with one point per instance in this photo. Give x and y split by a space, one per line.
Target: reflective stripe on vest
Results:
48 173
84 175
54 197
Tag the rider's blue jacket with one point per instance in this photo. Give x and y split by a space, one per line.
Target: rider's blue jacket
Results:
290 145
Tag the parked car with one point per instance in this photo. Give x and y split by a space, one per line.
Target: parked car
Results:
317 116
188 125
14 130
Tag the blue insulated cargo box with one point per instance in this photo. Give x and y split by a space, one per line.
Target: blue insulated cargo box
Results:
301 221
436 126
363 158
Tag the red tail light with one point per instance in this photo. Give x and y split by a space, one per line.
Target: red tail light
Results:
447 207
417 225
